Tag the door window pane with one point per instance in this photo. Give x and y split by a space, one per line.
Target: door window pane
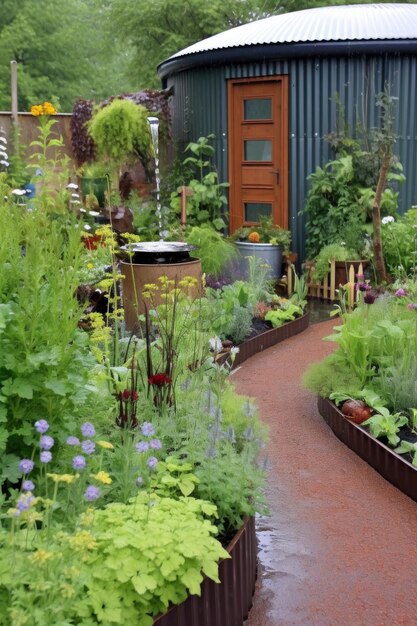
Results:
258 109
255 210
258 150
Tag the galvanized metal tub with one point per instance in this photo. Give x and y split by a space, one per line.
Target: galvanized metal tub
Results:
270 254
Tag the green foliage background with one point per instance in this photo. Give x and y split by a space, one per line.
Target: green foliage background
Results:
96 48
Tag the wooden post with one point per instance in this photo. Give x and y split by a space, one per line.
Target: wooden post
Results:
184 192
13 68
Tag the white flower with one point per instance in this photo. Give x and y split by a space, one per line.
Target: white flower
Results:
215 344
87 227
82 210
387 219
93 213
19 192
75 202
234 350
72 186
75 195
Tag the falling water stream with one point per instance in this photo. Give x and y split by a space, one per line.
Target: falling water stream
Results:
154 125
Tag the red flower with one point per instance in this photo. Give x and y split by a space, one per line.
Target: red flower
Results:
126 394
92 242
134 396
159 380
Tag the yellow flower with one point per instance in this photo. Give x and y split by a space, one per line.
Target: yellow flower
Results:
106 445
87 518
64 478
67 590
83 540
150 286
48 108
71 572
90 266
102 477
41 556
18 617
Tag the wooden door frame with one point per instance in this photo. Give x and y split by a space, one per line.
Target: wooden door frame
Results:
283 149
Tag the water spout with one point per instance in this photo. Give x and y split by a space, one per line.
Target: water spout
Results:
154 126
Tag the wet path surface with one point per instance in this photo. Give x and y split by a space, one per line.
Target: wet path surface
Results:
339 548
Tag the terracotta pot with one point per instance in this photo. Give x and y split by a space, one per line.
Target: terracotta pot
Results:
136 275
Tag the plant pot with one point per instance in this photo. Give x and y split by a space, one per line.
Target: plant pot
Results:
136 275
342 271
96 186
267 252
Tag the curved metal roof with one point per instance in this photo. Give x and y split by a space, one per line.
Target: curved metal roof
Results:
356 22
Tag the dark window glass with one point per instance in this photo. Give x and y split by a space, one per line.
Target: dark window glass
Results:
258 109
258 150
255 210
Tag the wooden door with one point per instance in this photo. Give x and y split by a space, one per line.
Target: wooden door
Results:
258 151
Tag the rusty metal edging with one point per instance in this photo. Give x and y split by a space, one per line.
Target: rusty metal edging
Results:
270 338
394 468
227 603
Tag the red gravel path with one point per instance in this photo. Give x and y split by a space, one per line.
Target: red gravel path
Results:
339 548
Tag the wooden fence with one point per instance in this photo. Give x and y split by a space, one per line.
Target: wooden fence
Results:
327 289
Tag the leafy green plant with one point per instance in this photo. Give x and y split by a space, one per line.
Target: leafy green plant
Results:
265 232
229 310
399 239
112 572
120 131
408 447
213 249
386 424
327 253
278 317
207 200
44 372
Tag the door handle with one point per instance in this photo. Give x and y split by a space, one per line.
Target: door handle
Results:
276 172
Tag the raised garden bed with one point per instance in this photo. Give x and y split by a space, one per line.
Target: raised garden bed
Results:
227 603
270 337
393 467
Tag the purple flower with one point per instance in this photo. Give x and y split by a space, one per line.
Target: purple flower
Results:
24 503
41 426
147 429
152 462
28 485
78 462
411 306
26 466
88 446
360 277
46 442
46 456
92 493
400 292
363 287
155 444
73 441
88 429
369 298
142 446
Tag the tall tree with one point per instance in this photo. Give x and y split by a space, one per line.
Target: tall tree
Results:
61 52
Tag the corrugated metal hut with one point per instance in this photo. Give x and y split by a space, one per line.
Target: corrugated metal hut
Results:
266 90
